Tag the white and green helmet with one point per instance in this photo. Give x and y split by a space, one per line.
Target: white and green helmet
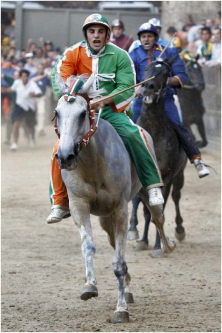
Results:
95 19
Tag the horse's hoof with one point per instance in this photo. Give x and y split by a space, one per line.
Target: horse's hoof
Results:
141 246
89 292
180 237
132 235
121 317
129 298
157 254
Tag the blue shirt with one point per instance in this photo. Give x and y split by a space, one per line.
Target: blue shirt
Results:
141 60
8 72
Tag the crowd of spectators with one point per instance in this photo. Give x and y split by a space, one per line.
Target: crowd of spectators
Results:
203 39
39 61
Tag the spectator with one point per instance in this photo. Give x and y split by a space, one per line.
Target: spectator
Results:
42 81
218 20
31 46
8 70
5 47
29 65
216 49
192 36
39 55
203 21
117 36
10 80
209 23
205 50
180 34
47 46
26 92
198 43
188 20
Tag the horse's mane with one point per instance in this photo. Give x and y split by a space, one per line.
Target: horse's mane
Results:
87 88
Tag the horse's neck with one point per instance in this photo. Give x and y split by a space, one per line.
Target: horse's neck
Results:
154 118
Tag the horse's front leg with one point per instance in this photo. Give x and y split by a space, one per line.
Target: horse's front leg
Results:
120 221
81 216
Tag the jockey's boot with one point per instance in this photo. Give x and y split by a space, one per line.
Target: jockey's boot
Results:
155 196
201 168
57 214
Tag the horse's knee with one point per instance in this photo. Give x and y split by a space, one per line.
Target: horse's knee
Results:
88 247
120 269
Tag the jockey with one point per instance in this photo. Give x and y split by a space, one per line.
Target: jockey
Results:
114 71
118 37
148 51
157 24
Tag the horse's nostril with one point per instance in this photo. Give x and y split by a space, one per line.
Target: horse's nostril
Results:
70 157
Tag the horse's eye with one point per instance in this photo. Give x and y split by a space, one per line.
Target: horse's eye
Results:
83 114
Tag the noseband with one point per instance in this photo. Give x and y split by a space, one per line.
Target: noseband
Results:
70 97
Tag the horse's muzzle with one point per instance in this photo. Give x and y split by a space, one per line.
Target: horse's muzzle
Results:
68 160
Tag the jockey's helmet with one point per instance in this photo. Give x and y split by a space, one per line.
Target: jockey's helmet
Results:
95 19
176 42
156 22
117 23
147 27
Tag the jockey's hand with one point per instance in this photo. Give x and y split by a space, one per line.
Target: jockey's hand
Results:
138 89
100 104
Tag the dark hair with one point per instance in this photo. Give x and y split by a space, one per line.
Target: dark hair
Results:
208 29
171 30
24 71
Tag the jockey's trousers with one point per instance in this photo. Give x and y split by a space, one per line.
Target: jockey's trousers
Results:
140 149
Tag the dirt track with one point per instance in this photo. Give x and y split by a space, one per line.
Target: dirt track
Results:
43 270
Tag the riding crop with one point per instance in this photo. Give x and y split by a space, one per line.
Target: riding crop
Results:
119 92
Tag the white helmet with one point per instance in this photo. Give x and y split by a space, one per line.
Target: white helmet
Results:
156 22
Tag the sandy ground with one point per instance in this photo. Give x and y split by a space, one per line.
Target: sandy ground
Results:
43 269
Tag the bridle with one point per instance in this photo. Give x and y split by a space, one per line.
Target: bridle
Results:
163 86
193 84
70 97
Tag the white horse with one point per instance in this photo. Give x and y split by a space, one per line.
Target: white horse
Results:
100 179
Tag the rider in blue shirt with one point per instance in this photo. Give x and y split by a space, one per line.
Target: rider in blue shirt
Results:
143 55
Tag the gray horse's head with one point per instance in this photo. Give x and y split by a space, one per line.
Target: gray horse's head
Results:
73 121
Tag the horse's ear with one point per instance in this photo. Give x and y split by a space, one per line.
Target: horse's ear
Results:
88 83
171 60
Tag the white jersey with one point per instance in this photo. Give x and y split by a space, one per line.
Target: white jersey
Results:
22 94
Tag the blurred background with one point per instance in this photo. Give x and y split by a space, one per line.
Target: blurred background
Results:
47 28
